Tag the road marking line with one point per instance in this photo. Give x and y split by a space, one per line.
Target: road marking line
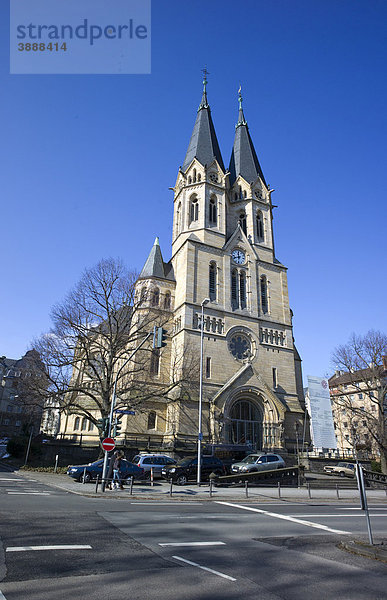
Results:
166 503
29 493
26 548
194 544
285 518
340 515
189 562
2 597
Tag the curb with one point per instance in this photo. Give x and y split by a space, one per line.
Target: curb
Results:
376 552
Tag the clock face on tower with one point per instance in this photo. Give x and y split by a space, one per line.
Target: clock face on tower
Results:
238 257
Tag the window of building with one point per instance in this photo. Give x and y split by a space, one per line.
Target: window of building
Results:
77 423
264 303
178 219
17 423
143 295
213 217
212 282
194 209
347 437
167 301
259 225
194 176
9 408
6 422
234 289
345 424
364 423
242 289
208 367
362 408
155 296
91 426
84 424
243 223
275 380
152 420
155 361
360 396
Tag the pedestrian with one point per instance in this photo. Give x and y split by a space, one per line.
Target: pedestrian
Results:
109 475
116 470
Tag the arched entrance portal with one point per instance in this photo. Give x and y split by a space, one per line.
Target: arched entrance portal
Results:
245 424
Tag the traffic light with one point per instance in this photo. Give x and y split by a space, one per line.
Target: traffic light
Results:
103 426
117 427
160 337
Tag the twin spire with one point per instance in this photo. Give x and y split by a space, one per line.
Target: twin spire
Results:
204 145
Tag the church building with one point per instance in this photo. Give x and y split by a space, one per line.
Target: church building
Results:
223 263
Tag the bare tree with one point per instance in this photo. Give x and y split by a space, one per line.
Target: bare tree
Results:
362 369
95 330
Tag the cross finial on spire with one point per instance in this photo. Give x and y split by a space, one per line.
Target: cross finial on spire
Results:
241 118
205 73
204 103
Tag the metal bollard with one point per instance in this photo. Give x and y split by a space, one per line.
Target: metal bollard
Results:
308 486
131 485
337 491
247 488
151 476
279 489
211 484
84 475
96 484
170 489
56 463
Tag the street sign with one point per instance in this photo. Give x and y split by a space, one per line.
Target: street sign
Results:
108 444
124 412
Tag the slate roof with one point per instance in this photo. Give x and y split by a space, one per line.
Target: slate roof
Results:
244 160
203 144
155 266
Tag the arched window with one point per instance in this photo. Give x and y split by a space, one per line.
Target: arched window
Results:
235 196
194 176
240 192
242 289
143 295
84 424
264 303
244 194
91 426
213 212
77 423
178 219
152 420
189 180
155 297
260 235
234 289
199 177
194 209
212 282
155 361
167 301
242 221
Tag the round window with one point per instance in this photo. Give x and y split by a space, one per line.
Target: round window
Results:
240 346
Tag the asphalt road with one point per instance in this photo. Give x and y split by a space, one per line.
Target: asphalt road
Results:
169 550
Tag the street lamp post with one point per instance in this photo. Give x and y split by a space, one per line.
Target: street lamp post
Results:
200 434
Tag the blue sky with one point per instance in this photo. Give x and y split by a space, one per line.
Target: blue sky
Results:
86 160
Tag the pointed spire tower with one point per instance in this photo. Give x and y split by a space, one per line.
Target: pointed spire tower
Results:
244 160
203 144
154 266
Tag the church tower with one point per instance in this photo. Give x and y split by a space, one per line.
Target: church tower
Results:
223 257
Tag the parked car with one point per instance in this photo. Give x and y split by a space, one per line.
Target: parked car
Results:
153 461
343 469
186 469
95 468
228 453
258 462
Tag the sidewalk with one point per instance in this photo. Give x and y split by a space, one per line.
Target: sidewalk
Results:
161 490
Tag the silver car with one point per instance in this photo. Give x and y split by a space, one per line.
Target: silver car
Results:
258 462
156 462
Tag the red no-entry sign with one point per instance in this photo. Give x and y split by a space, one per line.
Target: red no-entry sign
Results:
108 444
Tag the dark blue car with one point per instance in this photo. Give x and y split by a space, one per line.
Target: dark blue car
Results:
89 472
